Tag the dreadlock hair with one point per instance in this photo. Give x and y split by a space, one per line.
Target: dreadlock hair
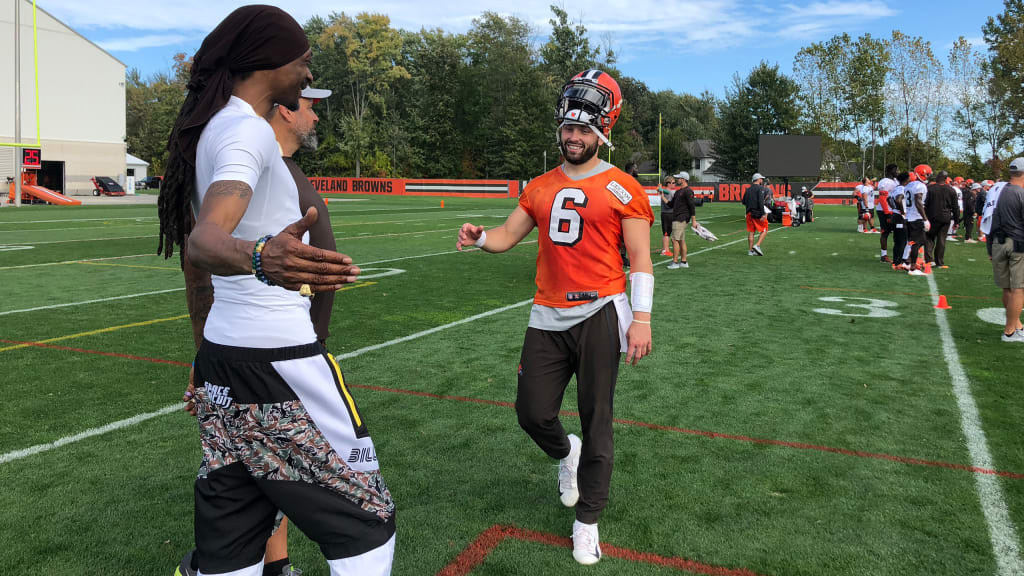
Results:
174 204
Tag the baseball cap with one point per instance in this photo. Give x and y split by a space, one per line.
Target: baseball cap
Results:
683 176
975 186
1017 165
757 176
315 94
803 188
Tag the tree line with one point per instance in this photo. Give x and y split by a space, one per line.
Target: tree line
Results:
433 104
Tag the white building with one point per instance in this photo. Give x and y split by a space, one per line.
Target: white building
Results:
702 152
136 167
81 102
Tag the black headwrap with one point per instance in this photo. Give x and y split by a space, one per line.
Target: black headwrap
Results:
251 38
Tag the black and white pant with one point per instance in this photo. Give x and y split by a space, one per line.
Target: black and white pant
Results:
281 431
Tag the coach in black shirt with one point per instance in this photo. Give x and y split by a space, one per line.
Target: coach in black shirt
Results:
754 199
941 208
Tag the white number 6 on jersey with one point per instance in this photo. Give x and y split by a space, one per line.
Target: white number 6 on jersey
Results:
566 225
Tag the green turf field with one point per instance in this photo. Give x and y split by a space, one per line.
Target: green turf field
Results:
760 437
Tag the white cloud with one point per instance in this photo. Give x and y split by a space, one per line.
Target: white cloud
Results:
681 26
131 44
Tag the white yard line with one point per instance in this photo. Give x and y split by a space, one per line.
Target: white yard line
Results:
18 454
38 448
361 351
1001 530
33 450
73 261
51 307
30 243
433 254
79 220
713 248
340 238
79 228
407 221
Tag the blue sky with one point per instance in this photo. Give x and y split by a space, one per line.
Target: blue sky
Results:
682 45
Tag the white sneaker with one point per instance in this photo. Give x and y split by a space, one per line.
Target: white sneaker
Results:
683 265
971 241
916 273
586 545
673 266
1017 336
568 492
757 250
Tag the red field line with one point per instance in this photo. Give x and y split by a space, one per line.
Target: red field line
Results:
97 352
723 436
478 550
624 422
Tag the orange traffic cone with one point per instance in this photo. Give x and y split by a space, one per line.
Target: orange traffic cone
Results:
442 203
927 267
943 305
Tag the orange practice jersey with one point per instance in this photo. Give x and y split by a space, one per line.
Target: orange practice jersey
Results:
580 230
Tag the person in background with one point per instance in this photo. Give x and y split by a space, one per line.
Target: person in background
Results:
942 211
754 200
897 201
968 214
1006 248
809 205
684 212
667 191
885 187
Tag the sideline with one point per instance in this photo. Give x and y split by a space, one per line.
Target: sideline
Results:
1001 530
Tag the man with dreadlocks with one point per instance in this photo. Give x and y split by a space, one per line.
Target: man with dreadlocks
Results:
280 429
581 319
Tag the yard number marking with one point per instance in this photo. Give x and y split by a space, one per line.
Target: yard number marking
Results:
875 308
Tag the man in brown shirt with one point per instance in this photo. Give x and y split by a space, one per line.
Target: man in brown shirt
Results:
293 131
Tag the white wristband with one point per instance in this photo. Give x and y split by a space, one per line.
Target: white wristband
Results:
482 240
642 295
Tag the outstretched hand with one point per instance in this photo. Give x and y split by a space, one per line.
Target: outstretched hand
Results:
289 263
468 235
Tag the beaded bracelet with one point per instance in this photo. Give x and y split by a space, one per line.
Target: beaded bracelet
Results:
257 260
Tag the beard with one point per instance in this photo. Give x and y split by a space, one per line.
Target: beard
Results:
309 140
581 157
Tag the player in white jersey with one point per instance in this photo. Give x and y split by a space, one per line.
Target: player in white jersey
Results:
885 187
899 221
917 220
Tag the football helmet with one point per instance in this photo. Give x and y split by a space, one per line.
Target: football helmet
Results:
923 171
592 98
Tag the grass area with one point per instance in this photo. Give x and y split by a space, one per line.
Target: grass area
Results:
762 434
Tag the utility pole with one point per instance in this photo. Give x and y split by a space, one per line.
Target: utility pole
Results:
17 101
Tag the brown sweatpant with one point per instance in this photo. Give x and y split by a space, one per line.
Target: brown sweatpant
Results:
590 350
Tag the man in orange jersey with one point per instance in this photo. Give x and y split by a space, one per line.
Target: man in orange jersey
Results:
581 319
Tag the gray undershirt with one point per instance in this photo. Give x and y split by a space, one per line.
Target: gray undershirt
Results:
561 319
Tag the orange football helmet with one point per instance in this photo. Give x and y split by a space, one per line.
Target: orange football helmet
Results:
593 98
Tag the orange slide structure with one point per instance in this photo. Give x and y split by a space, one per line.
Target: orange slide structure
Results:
30 190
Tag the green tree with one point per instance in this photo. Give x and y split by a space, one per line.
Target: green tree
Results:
1004 34
370 48
863 90
152 106
764 103
508 120
967 83
914 73
436 63
567 51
